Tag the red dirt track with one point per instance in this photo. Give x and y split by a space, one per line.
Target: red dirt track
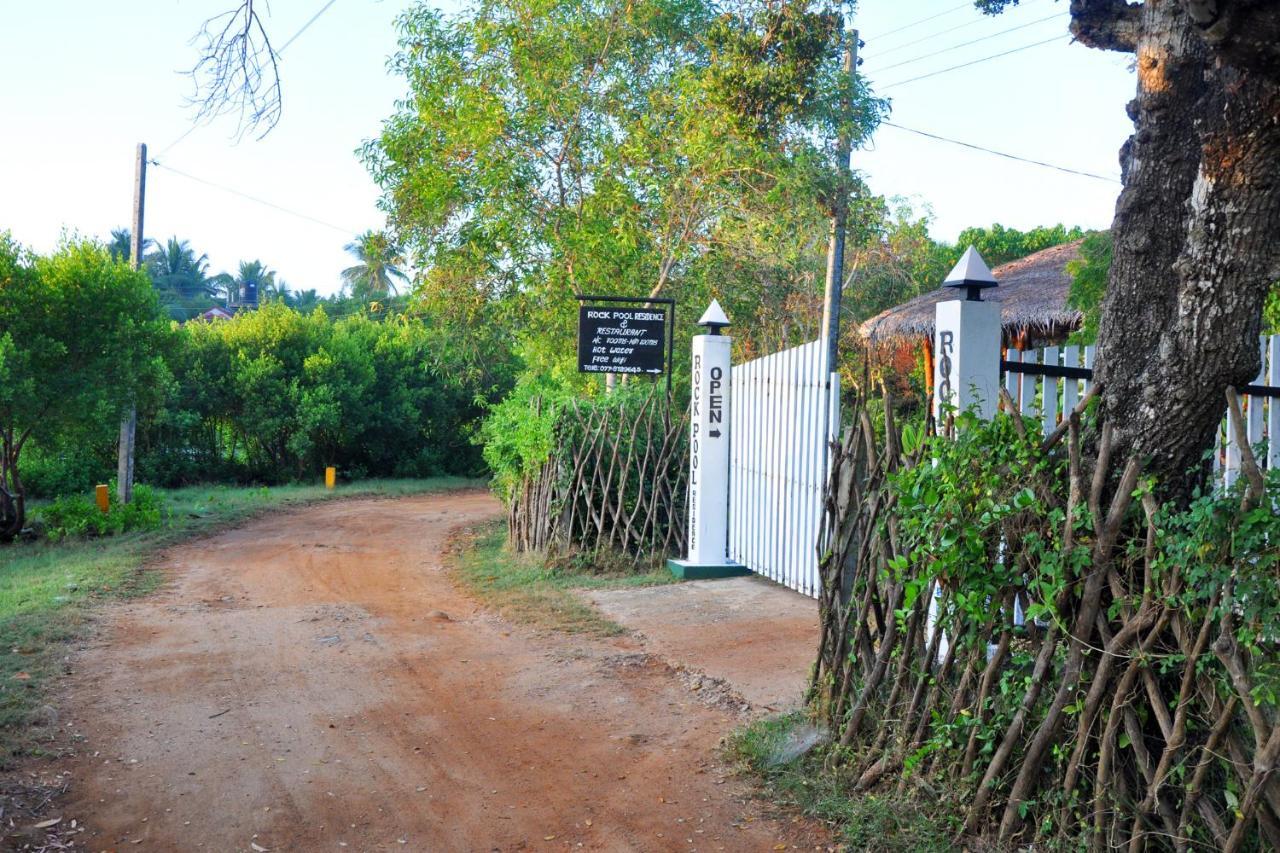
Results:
315 681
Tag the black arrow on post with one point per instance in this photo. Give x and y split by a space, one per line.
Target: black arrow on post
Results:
715 433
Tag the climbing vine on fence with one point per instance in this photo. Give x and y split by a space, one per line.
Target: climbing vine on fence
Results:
1014 626
615 477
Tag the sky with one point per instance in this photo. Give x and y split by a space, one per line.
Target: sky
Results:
86 80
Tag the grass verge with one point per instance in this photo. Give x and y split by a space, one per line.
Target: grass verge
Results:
887 823
525 589
47 589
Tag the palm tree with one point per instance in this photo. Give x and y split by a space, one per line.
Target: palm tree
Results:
305 301
181 278
379 267
255 283
176 268
120 246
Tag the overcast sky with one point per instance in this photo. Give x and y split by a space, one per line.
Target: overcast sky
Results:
85 80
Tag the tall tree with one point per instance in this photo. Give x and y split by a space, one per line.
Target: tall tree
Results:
79 339
656 147
380 264
1197 226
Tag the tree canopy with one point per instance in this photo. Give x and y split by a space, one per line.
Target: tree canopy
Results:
64 318
665 146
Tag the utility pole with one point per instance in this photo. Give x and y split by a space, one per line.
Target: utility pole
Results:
840 215
129 423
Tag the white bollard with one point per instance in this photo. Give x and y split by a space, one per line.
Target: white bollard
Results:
709 426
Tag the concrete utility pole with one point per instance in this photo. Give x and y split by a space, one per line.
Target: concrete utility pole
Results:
840 216
129 423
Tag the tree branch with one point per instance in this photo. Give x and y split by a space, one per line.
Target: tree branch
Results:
1106 24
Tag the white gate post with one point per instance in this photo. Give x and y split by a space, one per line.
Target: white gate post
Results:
709 455
966 344
966 373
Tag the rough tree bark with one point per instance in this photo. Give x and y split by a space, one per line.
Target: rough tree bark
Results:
1197 225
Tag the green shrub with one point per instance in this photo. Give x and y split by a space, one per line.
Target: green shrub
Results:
76 516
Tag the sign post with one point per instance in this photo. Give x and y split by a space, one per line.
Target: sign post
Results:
709 427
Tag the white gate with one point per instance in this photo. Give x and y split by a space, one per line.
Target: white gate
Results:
785 413
1049 399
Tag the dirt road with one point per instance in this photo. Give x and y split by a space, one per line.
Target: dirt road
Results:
315 681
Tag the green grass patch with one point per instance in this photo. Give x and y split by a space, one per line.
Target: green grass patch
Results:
822 789
528 589
47 589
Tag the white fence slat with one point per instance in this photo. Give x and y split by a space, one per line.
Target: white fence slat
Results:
1253 405
1089 353
1231 471
1027 395
1049 399
1070 387
1273 405
813 449
784 493
1011 377
775 421
739 437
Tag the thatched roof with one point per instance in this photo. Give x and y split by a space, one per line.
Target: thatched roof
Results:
1032 296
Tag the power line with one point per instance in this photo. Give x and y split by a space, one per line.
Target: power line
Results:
1057 38
981 19
255 199
1054 16
926 20
1006 155
303 28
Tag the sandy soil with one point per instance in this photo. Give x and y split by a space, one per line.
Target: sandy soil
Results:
315 681
749 632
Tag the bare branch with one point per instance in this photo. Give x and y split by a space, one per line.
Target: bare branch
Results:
237 72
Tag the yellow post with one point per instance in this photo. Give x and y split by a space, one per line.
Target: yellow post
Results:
103 496
330 477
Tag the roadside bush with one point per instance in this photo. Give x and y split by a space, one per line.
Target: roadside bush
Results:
274 396
69 467
78 516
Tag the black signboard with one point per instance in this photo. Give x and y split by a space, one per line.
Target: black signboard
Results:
613 339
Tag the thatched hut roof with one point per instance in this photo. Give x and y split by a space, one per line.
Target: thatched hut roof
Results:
1032 296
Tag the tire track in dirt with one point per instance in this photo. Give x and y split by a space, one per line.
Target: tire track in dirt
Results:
315 681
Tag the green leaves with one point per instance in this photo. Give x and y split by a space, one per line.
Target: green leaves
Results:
552 147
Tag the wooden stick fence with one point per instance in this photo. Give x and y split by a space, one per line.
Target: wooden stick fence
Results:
1132 717
617 478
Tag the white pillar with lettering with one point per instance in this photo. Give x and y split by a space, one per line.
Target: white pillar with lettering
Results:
966 344
709 427
966 367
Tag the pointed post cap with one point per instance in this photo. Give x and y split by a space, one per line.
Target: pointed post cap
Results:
714 318
972 273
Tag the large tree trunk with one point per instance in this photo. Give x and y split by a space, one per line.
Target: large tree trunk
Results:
13 503
1197 226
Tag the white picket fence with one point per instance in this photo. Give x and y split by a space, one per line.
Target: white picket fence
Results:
785 414
1048 399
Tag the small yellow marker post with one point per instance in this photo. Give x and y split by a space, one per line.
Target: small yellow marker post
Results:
330 477
102 495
